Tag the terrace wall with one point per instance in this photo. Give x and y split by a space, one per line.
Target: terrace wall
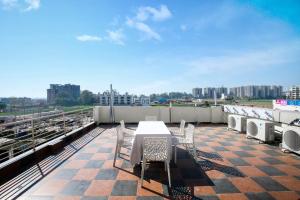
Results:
134 114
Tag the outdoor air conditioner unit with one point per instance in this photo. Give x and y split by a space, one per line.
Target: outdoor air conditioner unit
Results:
291 139
237 122
260 129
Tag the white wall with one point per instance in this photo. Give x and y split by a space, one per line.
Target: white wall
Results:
217 115
134 114
186 113
203 114
101 114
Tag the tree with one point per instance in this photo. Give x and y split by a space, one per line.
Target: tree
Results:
87 97
65 99
2 106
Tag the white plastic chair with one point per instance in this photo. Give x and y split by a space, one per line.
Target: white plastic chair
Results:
122 142
187 141
128 132
151 118
156 149
181 129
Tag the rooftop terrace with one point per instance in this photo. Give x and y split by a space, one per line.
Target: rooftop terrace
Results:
228 166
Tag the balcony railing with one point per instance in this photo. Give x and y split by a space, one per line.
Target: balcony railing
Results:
21 136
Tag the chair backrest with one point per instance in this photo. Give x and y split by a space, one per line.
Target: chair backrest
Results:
120 135
155 148
182 125
151 118
122 123
189 133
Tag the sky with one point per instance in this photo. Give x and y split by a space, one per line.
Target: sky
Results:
145 47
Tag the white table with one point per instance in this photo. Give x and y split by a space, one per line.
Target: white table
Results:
148 129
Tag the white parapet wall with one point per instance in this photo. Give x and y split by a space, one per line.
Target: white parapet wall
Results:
101 114
203 114
134 114
183 113
217 115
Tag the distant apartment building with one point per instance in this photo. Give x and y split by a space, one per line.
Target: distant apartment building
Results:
197 92
141 100
123 99
208 92
56 90
221 91
126 99
257 92
17 101
294 92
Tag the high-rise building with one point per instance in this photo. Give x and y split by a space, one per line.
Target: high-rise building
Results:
221 91
256 92
197 92
56 90
208 92
294 92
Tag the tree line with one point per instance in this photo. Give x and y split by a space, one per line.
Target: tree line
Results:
86 98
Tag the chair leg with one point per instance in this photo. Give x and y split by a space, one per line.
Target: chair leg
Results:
119 151
165 166
169 176
194 151
143 171
175 154
116 152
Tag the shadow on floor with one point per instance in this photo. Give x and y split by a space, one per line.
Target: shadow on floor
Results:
35 173
185 175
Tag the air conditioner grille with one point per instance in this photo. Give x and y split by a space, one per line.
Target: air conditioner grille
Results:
252 128
292 140
232 122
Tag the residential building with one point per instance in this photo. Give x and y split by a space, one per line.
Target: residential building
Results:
294 92
56 90
221 91
257 92
141 100
123 99
126 99
208 92
197 92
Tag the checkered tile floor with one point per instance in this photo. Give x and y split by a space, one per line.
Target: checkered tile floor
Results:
228 166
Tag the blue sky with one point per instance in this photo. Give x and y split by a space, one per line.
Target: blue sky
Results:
147 47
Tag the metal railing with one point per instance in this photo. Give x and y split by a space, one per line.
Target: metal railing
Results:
21 136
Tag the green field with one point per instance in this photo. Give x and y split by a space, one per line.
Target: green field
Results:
264 103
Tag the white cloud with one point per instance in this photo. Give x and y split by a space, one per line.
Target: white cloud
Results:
116 37
183 27
246 61
32 4
22 5
144 13
88 38
148 33
9 4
